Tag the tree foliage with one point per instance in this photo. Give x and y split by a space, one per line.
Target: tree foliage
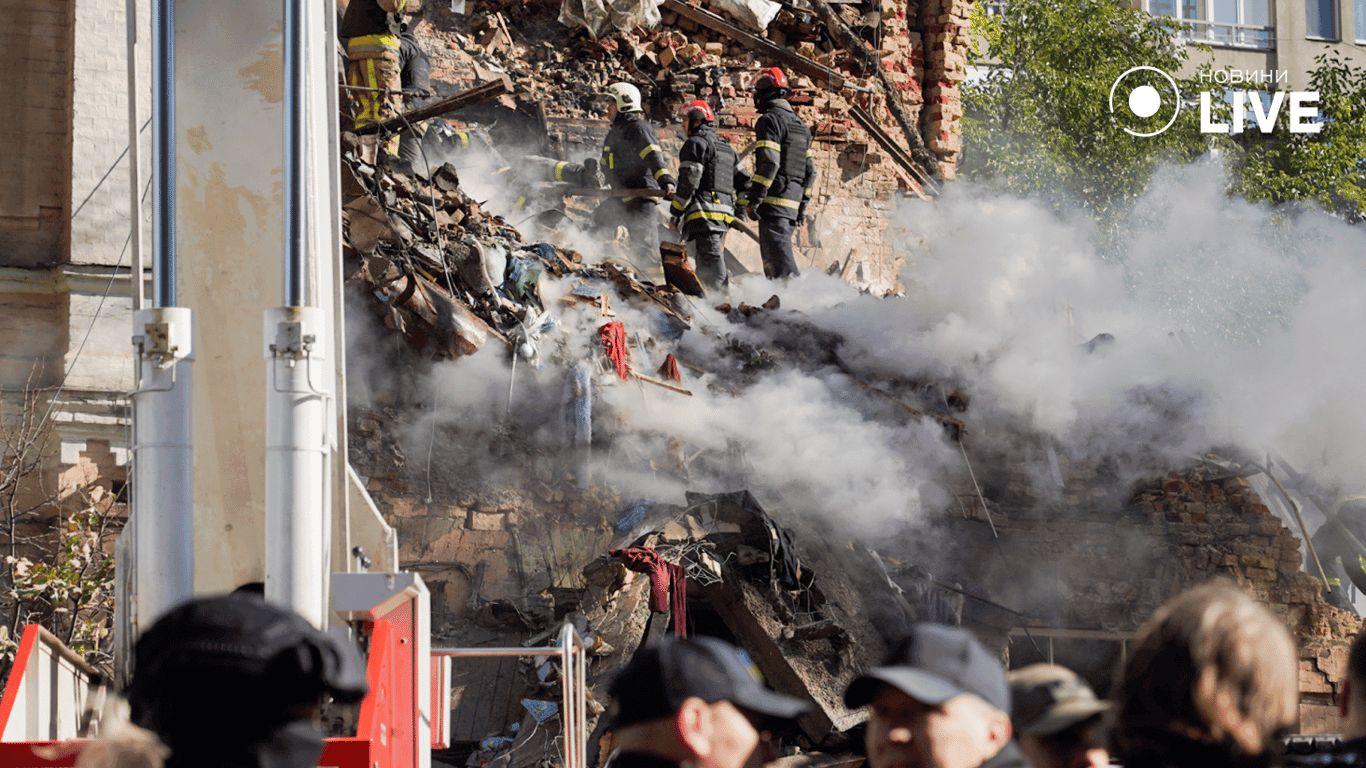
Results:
1040 121
1328 167
55 566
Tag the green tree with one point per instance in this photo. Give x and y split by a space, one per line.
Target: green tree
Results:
1040 121
1328 167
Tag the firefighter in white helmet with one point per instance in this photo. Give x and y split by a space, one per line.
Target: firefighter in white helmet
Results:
633 159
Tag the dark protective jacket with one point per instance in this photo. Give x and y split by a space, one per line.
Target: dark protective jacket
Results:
784 169
705 199
372 26
631 156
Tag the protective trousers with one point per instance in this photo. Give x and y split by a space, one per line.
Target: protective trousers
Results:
775 247
642 230
709 257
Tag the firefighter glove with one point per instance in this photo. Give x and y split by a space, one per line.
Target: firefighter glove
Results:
801 213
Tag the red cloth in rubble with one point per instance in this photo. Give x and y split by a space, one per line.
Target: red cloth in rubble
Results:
665 577
613 337
669 370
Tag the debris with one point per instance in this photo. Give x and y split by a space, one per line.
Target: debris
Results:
669 370
541 711
827 76
599 16
668 584
678 272
755 14
658 383
478 94
613 336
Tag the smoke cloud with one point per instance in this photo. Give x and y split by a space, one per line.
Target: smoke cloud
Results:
1232 324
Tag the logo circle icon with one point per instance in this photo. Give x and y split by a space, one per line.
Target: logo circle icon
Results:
1145 101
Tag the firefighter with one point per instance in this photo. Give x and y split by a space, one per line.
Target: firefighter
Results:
534 176
1338 543
784 173
415 77
632 159
373 32
704 204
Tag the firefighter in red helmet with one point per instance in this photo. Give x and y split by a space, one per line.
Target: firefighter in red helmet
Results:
704 205
784 173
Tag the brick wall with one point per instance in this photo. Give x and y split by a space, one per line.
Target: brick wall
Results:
35 166
99 163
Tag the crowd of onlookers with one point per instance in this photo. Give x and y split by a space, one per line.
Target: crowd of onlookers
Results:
1211 680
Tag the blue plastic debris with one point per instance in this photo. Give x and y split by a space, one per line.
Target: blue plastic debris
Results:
667 326
496 742
544 251
633 514
541 711
522 276
588 292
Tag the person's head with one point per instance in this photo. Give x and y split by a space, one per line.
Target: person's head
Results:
939 700
1057 719
622 97
232 680
695 700
696 114
1210 667
768 85
1352 701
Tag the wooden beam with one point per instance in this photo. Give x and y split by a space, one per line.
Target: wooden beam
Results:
826 76
898 155
489 89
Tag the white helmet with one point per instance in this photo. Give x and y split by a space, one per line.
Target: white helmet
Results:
627 96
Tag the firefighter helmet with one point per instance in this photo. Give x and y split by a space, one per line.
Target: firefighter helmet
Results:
626 95
697 108
770 79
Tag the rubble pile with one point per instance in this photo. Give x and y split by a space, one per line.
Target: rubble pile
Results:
876 80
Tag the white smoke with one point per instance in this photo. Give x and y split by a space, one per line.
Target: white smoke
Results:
1232 324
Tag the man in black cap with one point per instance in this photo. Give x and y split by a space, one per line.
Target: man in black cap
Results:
1058 720
234 682
693 701
939 700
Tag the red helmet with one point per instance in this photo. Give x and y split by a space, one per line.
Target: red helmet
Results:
769 79
697 108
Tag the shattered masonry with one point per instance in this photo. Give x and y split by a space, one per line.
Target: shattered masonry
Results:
919 45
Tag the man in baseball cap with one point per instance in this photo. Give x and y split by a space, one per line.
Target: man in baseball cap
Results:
694 701
232 681
939 700
1057 718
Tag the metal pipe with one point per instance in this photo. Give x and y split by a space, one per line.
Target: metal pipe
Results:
134 163
163 151
163 466
296 522
295 162
478 652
